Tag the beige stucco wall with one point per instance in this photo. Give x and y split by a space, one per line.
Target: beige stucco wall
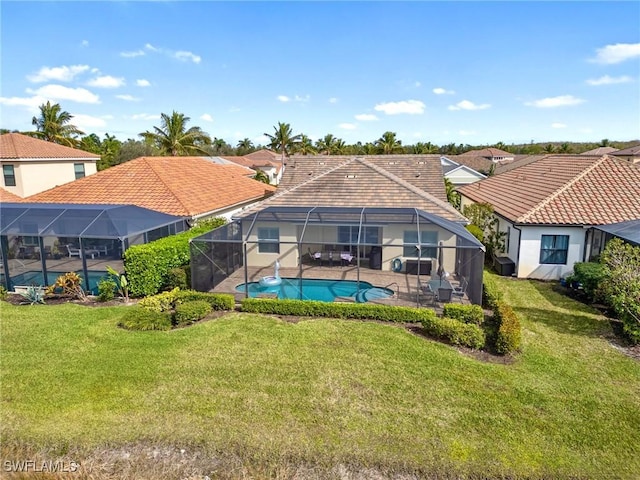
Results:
35 176
317 236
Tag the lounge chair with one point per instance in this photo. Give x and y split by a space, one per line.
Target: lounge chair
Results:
73 251
460 290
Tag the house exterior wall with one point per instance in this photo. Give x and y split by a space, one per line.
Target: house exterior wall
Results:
35 176
462 177
227 213
529 263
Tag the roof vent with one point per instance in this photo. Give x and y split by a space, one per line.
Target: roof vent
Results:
393 163
421 162
320 163
350 176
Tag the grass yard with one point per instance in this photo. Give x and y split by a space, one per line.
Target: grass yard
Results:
252 396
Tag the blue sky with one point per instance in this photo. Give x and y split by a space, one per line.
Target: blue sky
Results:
445 72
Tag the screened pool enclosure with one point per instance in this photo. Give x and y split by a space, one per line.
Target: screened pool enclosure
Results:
39 242
401 242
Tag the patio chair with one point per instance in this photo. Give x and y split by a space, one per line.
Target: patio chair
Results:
73 251
425 292
460 290
444 295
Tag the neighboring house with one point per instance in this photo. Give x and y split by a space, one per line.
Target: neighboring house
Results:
626 231
266 161
459 174
6 196
191 187
388 212
547 208
485 161
600 151
631 154
31 165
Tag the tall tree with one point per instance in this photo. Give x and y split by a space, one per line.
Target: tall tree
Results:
424 148
283 140
53 126
327 144
305 146
244 146
173 138
388 144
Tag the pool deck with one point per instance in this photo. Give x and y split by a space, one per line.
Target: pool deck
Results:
405 286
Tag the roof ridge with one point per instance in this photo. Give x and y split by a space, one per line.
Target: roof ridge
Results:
409 186
560 190
161 179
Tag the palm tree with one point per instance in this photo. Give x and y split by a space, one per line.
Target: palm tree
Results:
564 148
550 148
327 144
305 146
388 143
424 148
53 126
283 139
245 145
173 138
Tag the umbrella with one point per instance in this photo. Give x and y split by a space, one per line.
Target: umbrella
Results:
440 271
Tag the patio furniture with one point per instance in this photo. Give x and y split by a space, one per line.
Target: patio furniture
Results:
425 292
345 258
444 294
73 251
460 290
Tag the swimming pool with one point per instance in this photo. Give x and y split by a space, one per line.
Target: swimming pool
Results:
36 278
317 289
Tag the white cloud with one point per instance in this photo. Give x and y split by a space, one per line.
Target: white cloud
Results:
132 54
411 107
128 98
31 102
59 92
85 122
85 43
442 91
467 132
304 99
185 56
143 83
333 100
417 84
366 117
348 126
553 102
234 109
148 46
106 81
144 116
616 53
467 105
61 74
607 80
284 98
206 117
558 125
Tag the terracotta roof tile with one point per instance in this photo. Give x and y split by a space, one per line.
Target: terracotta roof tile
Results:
16 145
567 190
367 182
185 186
7 196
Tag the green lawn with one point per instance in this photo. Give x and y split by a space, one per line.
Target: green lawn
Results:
322 393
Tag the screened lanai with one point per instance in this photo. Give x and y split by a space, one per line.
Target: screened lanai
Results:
407 244
39 242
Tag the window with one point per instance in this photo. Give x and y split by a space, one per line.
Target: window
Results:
348 236
269 240
553 249
426 238
79 170
9 176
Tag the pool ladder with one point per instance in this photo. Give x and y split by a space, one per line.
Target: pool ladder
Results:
396 292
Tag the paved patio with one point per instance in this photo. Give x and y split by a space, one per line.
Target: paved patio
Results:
405 286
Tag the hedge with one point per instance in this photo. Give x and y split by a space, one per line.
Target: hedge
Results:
490 292
189 312
455 332
218 301
589 275
306 308
138 318
464 313
147 266
509 335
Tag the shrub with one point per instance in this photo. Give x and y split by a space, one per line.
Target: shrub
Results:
3 293
163 302
106 289
589 275
189 312
305 308
509 336
476 231
176 278
69 284
464 313
148 265
491 293
455 332
137 318
218 301
33 295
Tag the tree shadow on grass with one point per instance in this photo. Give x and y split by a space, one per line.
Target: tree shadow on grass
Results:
576 323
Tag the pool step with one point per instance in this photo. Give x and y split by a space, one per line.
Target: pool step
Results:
369 294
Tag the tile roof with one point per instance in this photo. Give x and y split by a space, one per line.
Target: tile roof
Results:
184 186
563 190
487 153
635 150
253 163
17 145
600 151
7 196
366 182
478 163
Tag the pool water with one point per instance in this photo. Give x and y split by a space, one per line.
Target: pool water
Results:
36 278
316 289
